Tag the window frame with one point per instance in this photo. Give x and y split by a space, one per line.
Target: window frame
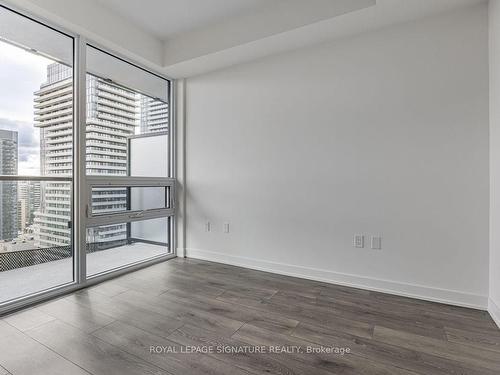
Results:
117 217
80 182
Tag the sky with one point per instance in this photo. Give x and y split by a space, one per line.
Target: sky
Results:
21 74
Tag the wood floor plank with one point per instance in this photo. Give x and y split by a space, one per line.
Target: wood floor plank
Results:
27 319
84 319
124 311
140 285
291 296
489 340
329 315
255 363
109 288
94 355
377 351
317 361
471 356
233 311
138 342
427 305
391 316
187 314
420 311
238 276
173 280
21 355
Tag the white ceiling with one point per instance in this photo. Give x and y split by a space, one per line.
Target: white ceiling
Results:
166 18
182 38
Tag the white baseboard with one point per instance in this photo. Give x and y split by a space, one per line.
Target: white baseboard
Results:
451 297
494 311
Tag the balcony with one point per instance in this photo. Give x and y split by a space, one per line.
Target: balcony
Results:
114 90
45 95
47 274
40 104
55 121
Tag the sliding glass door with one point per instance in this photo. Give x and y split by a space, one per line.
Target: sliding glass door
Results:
86 163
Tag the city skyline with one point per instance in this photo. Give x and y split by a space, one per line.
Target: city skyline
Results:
22 73
46 133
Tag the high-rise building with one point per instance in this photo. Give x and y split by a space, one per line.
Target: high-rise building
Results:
29 194
154 115
111 119
8 189
54 118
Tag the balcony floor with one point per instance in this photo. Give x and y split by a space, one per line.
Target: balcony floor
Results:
27 280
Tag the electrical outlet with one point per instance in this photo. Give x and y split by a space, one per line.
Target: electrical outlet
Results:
359 241
208 226
226 227
376 242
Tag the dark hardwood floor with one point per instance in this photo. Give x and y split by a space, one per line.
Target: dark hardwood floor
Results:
222 319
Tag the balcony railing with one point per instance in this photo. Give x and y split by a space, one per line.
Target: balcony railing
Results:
17 259
24 258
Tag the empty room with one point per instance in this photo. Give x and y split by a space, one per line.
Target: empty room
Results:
248 187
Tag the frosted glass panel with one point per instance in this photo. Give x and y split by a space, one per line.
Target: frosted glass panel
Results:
143 149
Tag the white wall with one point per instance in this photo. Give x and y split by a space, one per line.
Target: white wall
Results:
494 35
385 133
